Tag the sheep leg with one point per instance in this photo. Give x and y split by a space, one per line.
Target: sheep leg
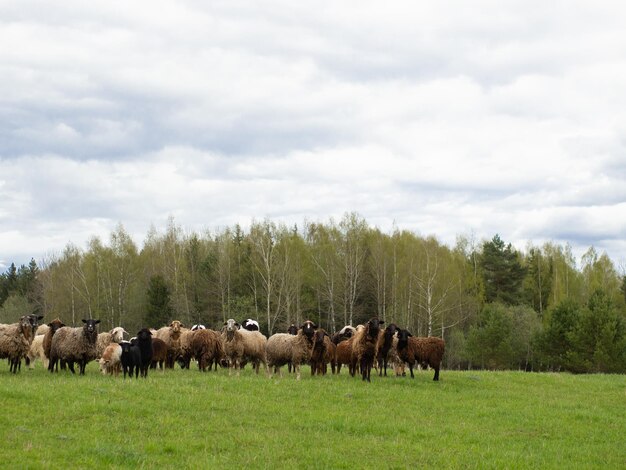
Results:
70 366
411 369
436 377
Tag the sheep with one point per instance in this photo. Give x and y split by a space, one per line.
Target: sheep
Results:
116 335
233 345
15 340
144 343
185 353
130 358
36 351
74 345
254 344
207 348
250 325
292 330
323 352
343 334
42 330
283 347
364 346
171 336
343 355
425 351
385 348
159 353
53 326
111 360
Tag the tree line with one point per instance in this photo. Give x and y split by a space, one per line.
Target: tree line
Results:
496 307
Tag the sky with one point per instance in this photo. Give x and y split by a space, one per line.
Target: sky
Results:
444 118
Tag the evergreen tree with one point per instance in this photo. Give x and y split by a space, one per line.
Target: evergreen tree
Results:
159 311
503 272
555 342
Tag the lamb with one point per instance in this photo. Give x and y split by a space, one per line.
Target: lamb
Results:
116 335
170 335
15 340
233 345
207 348
425 351
250 325
386 351
159 353
36 351
323 353
283 347
364 346
74 345
53 327
111 360
131 358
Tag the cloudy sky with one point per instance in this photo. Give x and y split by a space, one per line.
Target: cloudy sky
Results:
445 118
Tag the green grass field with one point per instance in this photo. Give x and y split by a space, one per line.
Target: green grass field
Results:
190 419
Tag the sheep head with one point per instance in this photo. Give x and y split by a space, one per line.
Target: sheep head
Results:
230 326
56 324
373 327
308 329
91 328
292 330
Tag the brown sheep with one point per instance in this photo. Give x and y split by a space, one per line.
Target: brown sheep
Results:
386 352
159 353
364 350
322 354
207 348
15 341
343 355
425 351
233 341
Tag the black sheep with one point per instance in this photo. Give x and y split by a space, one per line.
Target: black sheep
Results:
144 343
131 358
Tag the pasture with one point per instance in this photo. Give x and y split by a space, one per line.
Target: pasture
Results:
210 420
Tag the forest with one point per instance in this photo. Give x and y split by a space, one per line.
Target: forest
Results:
496 307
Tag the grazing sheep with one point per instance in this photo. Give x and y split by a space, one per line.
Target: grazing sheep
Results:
130 358
36 351
283 347
171 336
159 353
386 351
233 345
425 351
144 343
111 360
207 348
364 346
15 340
254 344
116 335
250 325
74 345
323 353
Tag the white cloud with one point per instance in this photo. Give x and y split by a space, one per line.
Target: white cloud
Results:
443 118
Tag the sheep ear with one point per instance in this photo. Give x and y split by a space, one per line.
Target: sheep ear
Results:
237 324
97 321
225 323
381 322
84 321
39 317
408 333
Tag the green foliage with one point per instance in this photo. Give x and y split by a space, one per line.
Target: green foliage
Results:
503 273
599 338
15 306
489 343
192 420
555 341
158 309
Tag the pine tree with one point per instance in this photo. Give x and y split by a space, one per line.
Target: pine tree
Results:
503 273
159 310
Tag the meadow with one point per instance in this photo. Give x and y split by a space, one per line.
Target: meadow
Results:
183 418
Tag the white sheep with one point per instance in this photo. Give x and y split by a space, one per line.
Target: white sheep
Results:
111 360
15 340
36 352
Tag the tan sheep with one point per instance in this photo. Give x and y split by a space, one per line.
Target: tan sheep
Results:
364 346
15 341
111 360
283 348
116 335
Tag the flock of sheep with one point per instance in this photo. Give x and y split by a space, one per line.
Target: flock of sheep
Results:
360 348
